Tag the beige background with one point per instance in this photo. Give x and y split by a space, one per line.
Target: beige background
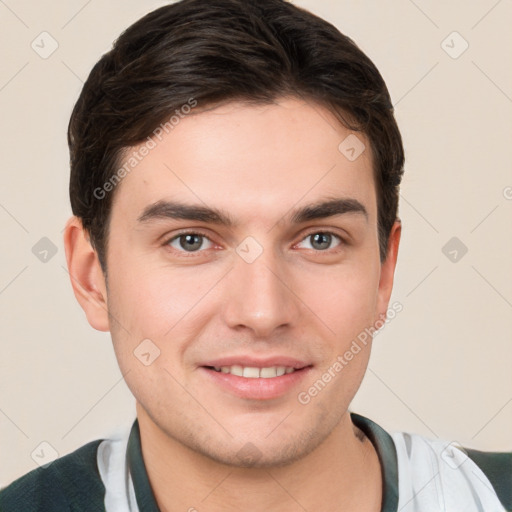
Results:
442 368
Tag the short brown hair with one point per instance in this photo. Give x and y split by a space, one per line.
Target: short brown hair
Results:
219 51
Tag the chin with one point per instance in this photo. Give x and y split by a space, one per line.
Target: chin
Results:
260 452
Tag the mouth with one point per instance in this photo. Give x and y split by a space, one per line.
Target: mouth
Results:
254 381
254 372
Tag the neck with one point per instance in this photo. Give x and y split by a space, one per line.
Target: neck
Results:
342 473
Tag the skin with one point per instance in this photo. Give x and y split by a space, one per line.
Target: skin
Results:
256 163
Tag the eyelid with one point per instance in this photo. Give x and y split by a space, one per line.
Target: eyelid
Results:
327 231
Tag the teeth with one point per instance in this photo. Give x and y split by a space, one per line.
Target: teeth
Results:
251 372
267 373
237 370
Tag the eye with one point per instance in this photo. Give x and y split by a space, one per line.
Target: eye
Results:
189 242
321 240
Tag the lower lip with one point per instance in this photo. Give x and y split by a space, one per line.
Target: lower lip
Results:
258 388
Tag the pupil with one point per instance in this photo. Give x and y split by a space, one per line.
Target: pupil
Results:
322 239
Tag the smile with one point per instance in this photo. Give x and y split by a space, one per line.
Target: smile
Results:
255 382
252 372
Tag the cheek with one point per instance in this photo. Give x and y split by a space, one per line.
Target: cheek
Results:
150 300
145 324
167 307
344 298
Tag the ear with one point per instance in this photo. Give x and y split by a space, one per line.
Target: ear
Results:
388 270
86 275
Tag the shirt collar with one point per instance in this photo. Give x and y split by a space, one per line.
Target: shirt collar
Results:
145 499
381 440
386 451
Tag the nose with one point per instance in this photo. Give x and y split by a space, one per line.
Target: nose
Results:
260 296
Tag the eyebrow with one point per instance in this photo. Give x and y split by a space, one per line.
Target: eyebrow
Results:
180 211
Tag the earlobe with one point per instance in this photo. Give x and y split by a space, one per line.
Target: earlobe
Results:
388 269
86 275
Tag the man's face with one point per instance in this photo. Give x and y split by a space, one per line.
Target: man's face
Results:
268 290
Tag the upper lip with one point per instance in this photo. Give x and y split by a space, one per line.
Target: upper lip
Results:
257 362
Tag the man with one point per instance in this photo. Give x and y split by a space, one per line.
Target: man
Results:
235 167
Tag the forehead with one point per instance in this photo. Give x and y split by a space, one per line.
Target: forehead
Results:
254 161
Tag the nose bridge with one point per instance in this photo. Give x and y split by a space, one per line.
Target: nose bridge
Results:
258 295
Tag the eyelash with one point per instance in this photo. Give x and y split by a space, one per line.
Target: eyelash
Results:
203 234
